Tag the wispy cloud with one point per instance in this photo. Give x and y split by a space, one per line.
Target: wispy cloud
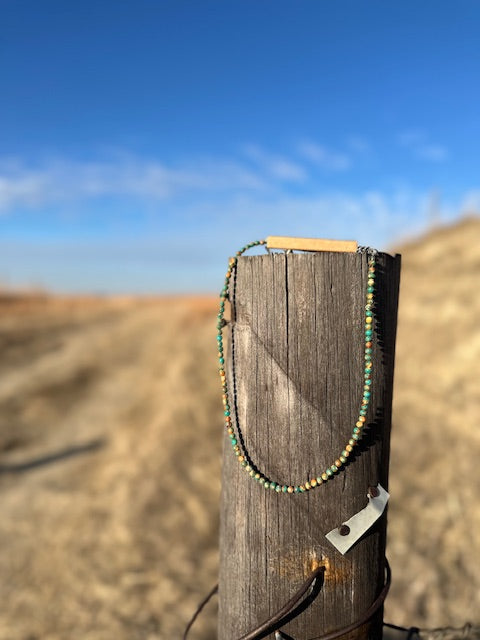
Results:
61 180
276 166
324 158
432 152
417 141
359 144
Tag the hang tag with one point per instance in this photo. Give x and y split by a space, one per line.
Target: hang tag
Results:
360 523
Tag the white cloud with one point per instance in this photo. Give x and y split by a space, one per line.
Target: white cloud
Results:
359 144
417 141
276 166
323 157
411 137
432 152
63 181
470 202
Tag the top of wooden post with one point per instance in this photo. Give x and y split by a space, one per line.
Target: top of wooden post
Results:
310 244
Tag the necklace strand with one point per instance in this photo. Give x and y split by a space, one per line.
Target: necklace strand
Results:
356 435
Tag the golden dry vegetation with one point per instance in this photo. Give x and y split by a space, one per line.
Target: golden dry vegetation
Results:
110 433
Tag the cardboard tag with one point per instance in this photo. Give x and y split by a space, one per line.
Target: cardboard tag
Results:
360 523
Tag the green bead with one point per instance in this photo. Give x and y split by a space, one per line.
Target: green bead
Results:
278 488
369 289
355 436
284 488
226 413
329 472
343 459
296 489
233 442
319 479
273 485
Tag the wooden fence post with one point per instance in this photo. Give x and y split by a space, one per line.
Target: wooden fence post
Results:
296 364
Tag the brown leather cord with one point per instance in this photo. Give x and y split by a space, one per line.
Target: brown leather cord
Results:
288 611
199 610
369 613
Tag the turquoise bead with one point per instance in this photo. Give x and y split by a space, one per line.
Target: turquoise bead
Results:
369 305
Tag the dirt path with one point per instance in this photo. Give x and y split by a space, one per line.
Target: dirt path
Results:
91 534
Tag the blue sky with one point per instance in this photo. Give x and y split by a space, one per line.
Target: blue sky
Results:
142 142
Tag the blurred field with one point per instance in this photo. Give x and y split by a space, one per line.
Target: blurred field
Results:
110 431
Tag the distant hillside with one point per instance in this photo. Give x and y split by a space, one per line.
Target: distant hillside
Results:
435 482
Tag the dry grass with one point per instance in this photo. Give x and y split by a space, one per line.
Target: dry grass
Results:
110 454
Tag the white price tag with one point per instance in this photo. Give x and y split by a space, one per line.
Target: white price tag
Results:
344 536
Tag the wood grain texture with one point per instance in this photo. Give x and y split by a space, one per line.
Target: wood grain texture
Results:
296 364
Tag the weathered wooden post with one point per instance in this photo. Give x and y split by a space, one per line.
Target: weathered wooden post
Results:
296 370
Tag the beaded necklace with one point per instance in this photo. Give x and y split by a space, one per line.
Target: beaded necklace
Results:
235 440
